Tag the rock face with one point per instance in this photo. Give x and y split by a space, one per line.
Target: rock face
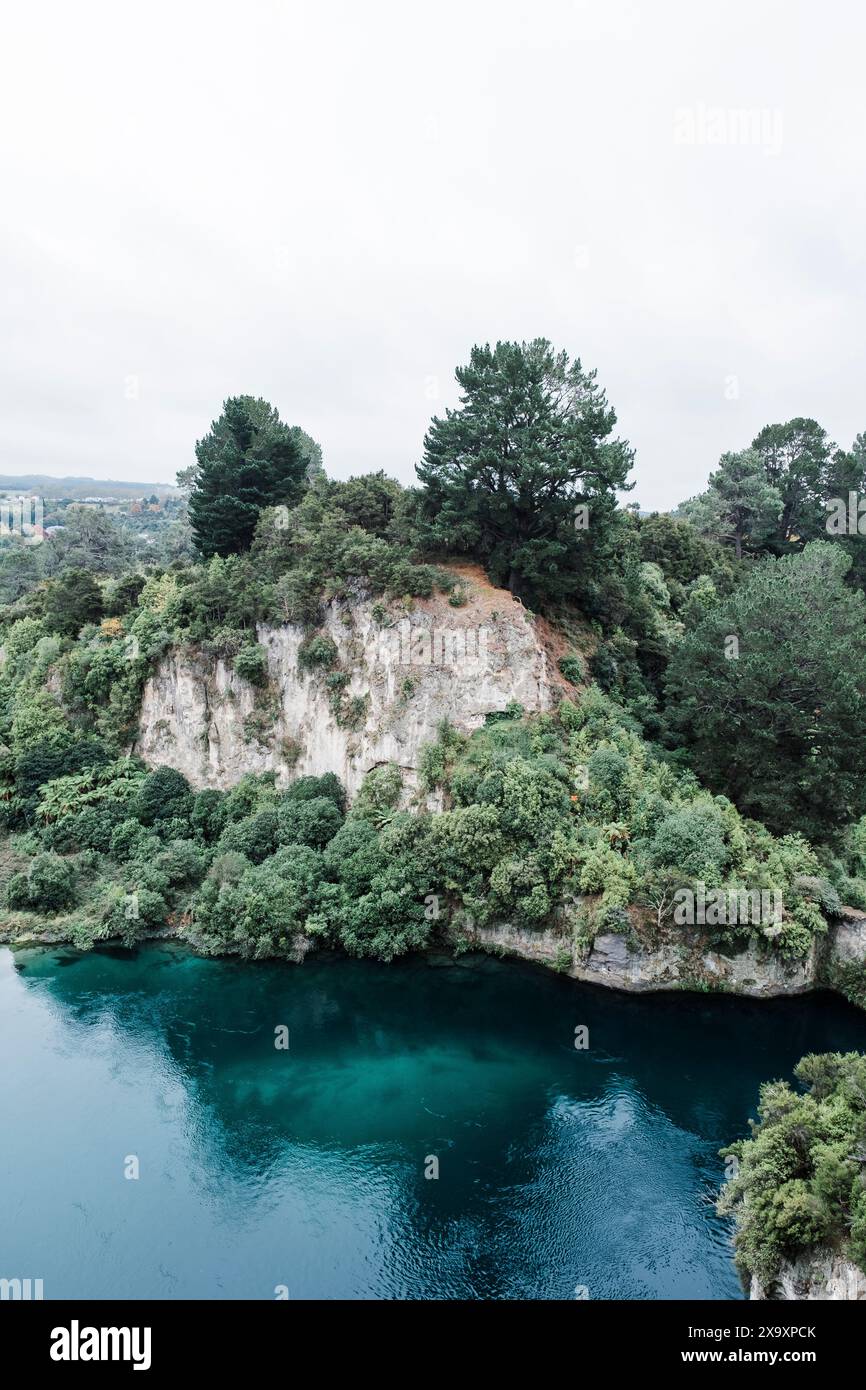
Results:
753 971
683 961
406 672
411 671
815 1275
849 939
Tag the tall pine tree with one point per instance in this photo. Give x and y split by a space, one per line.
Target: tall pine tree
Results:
250 460
739 504
507 474
797 460
777 725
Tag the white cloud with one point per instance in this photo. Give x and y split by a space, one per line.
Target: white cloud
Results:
327 204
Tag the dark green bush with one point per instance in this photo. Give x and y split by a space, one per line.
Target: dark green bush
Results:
306 788
572 667
18 892
312 821
251 664
165 794
183 861
208 815
317 653
798 1182
691 840
51 883
255 836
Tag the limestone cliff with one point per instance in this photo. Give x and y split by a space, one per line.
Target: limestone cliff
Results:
407 670
685 959
818 1274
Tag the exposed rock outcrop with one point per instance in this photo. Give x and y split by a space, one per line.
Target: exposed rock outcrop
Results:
818 1274
406 671
849 938
685 960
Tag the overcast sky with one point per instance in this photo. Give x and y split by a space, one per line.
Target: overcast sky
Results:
328 203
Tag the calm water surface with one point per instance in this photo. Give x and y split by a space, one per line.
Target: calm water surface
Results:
305 1168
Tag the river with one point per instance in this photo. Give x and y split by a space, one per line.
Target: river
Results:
308 1170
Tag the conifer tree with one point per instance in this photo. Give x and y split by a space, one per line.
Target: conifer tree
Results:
248 461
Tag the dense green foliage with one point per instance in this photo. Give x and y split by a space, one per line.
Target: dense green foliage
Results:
799 1179
536 812
72 600
778 495
600 802
797 464
250 460
723 644
740 505
89 540
776 720
507 474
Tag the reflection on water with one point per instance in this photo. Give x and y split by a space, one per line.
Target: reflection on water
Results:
262 1167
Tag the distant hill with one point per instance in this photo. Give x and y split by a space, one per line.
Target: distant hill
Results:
43 486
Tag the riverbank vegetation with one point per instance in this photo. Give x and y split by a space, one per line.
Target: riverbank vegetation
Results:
798 1181
714 733
538 813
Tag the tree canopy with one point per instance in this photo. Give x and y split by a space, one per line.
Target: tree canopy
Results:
798 1179
768 691
71 600
248 461
739 505
507 472
796 457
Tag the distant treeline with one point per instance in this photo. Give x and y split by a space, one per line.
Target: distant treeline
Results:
79 488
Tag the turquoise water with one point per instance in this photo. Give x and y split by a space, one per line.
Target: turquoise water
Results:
304 1169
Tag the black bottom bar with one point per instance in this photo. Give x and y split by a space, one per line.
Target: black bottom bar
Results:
247 1337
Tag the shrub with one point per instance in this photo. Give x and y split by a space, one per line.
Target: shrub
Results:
788 752
148 909
72 600
18 892
126 839
164 794
513 710
298 598
208 815
307 788
122 595
608 770
692 841
379 794
183 861
310 822
62 838
798 1182
318 653
249 795
572 667
261 913
251 664
291 751
228 867
255 836
92 828
175 828
51 886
